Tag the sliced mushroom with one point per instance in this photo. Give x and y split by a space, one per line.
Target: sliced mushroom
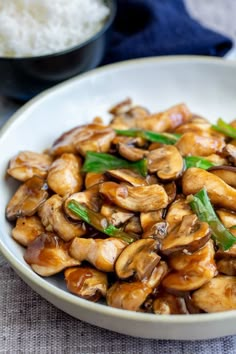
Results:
86 282
158 273
226 173
89 197
190 236
177 210
121 107
94 137
27 199
230 253
131 153
167 120
150 218
27 229
128 176
64 176
171 191
195 126
54 220
101 253
166 162
186 276
144 198
200 145
28 164
219 294
128 296
93 178
48 255
194 179
157 231
227 266
133 226
169 304
115 215
139 259
230 153
65 143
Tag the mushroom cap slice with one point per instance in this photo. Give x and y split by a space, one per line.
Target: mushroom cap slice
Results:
230 153
150 218
143 198
28 164
27 229
227 266
133 226
226 173
54 219
101 253
166 162
128 176
169 304
177 210
158 273
194 179
64 175
48 255
27 199
128 296
157 231
130 152
191 271
190 235
93 178
139 258
86 282
219 294
90 197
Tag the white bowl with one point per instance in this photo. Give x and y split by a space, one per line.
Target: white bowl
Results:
208 86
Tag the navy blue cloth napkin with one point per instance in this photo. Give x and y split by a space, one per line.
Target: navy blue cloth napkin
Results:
145 28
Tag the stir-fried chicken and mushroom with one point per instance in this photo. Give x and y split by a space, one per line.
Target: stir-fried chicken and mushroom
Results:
140 212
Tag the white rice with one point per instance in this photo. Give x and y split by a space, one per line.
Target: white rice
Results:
38 27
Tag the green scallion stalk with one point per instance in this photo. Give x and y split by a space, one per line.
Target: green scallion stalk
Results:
162 138
225 128
196 161
102 162
201 205
98 221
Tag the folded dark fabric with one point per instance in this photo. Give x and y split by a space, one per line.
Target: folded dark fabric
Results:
160 27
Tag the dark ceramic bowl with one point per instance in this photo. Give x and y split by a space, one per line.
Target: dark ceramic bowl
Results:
23 78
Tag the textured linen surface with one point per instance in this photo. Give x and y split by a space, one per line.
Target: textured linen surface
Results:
146 28
29 324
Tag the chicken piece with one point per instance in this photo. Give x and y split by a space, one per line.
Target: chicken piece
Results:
219 294
227 217
190 236
168 304
191 271
226 173
194 179
150 218
158 273
199 145
143 198
115 215
93 178
227 266
128 296
48 255
90 137
54 220
28 164
139 259
166 162
86 282
196 126
230 153
64 176
126 115
27 199
165 121
27 229
177 210
100 253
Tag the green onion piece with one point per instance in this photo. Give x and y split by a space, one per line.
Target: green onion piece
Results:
162 138
225 128
201 205
98 221
196 161
101 162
